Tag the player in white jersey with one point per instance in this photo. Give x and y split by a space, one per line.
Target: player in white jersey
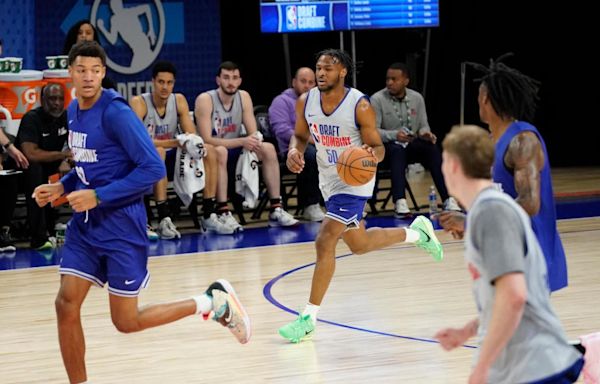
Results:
338 118
165 114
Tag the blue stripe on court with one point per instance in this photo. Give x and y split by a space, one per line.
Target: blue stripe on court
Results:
272 300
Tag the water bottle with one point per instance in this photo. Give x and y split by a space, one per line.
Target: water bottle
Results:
433 207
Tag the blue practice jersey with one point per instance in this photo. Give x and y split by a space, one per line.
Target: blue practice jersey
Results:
112 151
544 223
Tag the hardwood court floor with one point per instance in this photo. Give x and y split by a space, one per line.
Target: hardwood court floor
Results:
395 299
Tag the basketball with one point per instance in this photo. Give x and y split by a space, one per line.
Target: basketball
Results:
356 166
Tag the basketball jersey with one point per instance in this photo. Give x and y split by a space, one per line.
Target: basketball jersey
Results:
226 124
333 134
544 223
161 127
539 332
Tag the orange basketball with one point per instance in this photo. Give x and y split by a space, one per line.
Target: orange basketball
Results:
356 166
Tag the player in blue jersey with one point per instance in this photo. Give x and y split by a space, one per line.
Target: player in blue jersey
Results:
338 118
115 163
507 100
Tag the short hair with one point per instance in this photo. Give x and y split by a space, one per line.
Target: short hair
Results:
402 67
46 88
342 56
473 147
511 93
228 66
163 66
72 34
87 49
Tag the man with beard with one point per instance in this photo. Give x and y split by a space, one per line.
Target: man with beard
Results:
42 137
221 115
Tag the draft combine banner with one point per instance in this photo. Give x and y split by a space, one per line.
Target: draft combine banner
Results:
135 34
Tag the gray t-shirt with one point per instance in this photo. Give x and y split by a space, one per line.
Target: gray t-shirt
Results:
499 240
393 114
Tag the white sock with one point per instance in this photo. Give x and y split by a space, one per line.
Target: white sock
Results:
412 236
311 310
203 304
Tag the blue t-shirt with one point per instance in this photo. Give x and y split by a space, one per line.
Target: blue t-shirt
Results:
112 151
544 223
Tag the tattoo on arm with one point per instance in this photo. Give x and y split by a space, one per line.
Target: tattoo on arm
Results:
526 158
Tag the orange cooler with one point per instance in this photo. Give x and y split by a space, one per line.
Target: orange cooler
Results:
61 76
19 93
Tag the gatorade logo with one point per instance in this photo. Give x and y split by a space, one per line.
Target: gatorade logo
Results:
30 97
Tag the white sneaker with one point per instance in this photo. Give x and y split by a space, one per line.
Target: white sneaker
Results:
401 208
280 218
215 225
151 233
451 205
167 230
229 311
230 221
313 213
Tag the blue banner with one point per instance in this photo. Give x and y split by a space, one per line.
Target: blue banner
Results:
135 34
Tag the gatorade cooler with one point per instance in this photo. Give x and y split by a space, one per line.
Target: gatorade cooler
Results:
61 76
19 93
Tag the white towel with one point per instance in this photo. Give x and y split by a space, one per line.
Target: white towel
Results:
246 178
189 167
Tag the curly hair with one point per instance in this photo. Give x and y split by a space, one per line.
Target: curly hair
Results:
512 94
71 37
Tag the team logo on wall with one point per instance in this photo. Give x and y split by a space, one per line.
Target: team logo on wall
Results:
291 17
135 33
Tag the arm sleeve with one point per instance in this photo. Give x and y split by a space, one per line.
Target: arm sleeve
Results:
69 181
282 119
387 135
422 123
124 126
499 236
29 129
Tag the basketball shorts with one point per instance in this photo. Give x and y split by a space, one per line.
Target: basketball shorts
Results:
112 246
347 209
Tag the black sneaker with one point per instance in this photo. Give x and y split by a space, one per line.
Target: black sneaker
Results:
6 240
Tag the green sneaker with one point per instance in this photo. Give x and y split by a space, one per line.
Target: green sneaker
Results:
301 329
428 241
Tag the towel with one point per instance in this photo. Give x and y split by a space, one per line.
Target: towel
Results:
246 178
189 167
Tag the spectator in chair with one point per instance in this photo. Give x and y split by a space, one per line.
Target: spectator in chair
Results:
220 114
165 114
402 124
43 139
8 192
282 115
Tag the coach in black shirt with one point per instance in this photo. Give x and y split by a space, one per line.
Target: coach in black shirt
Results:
42 137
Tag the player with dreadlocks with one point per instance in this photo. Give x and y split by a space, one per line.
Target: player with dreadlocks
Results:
507 101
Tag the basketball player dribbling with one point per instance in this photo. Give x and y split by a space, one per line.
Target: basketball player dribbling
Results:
339 117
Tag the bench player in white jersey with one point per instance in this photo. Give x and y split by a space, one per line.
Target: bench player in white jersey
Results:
165 114
339 117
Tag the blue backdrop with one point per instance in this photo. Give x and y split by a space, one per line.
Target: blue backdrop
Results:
134 34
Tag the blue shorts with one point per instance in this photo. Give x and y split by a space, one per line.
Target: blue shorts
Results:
347 209
569 375
112 246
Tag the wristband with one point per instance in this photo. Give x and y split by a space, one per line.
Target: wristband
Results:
6 146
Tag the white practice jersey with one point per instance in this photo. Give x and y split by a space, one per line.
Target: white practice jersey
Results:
159 127
333 134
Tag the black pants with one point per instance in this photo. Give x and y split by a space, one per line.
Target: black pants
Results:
8 198
308 180
41 220
421 151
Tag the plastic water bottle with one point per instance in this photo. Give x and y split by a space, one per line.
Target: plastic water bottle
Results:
433 207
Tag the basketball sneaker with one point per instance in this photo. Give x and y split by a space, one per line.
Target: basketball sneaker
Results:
303 328
280 218
428 240
213 224
228 311
228 219
168 230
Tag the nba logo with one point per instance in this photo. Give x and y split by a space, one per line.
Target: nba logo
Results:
314 130
291 17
